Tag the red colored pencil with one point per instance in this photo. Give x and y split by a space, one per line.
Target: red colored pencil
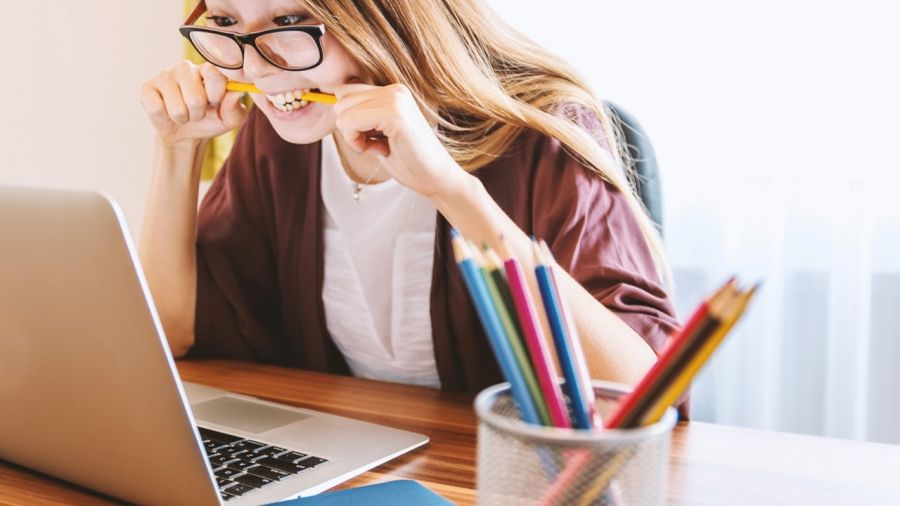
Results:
679 343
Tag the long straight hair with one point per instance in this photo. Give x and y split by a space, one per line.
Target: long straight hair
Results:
483 83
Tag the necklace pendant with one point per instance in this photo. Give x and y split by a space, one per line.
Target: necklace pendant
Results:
356 189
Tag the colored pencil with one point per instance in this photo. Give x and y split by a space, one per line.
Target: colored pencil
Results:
576 461
710 325
586 385
311 96
494 329
499 290
730 315
726 310
603 479
625 411
544 368
568 355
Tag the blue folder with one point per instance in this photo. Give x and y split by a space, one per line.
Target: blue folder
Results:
391 493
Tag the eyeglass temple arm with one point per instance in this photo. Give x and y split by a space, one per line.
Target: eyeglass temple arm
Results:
195 14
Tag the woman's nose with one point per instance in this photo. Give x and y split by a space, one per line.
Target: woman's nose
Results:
255 66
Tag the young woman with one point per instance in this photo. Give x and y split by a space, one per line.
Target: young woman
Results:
323 243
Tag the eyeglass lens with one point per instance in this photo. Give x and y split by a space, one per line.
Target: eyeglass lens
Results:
289 49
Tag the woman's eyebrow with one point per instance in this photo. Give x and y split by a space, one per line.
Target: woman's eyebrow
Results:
220 8
291 11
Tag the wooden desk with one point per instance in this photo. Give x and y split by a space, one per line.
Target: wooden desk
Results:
711 464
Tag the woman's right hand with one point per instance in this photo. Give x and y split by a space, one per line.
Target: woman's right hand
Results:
189 102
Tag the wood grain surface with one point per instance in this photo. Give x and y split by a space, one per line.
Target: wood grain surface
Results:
710 464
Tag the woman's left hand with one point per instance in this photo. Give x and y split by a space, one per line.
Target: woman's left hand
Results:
410 149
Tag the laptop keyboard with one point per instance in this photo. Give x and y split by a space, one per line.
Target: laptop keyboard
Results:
244 465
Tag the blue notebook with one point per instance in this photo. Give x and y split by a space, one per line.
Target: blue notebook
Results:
391 493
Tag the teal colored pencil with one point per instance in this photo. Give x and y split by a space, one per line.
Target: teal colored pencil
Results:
494 329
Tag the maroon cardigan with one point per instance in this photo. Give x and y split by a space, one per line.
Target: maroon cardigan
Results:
260 255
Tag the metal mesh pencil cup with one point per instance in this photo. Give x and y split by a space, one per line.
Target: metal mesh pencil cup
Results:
523 464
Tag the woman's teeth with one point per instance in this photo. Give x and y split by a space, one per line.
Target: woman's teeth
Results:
288 101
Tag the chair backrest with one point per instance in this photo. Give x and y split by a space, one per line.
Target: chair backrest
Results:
647 182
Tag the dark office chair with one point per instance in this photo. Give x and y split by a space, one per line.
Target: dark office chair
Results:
647 181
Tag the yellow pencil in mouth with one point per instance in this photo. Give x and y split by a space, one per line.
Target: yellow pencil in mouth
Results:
325 98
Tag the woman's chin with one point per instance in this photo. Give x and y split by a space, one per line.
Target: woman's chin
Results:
305 125
303 137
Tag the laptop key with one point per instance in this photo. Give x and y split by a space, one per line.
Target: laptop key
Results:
218 460
270 451
215 435
230 450
282 465
239 489
291 456
223 449
240 465
248 445
311 461
226 473
268 473
252 481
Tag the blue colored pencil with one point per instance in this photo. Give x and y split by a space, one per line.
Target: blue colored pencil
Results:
587 388
494 329
568 355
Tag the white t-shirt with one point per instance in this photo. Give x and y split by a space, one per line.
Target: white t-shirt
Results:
379 254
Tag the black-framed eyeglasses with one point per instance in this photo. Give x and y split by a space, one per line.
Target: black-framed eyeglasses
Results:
288 48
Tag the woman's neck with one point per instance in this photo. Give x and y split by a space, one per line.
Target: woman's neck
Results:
361 168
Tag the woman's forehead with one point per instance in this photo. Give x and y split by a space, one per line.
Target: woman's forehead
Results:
292 6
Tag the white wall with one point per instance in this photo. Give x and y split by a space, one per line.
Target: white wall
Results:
71 75
796 89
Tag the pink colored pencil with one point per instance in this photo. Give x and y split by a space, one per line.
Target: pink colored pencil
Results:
576 461
535 340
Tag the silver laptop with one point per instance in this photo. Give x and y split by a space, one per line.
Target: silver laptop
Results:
89 392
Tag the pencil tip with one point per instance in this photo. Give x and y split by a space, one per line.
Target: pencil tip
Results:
503 248
548 255
753 289
538 254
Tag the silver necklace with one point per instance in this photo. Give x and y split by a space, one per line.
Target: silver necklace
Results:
357 187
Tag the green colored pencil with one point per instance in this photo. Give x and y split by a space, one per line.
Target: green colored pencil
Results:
496 283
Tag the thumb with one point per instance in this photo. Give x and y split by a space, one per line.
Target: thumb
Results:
232 111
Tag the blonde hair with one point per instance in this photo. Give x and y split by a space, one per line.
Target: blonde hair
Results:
482 83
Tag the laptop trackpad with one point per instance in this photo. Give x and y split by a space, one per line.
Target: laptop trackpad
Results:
244 415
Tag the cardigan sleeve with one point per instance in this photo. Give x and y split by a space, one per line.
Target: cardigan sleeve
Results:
596 238
237 310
